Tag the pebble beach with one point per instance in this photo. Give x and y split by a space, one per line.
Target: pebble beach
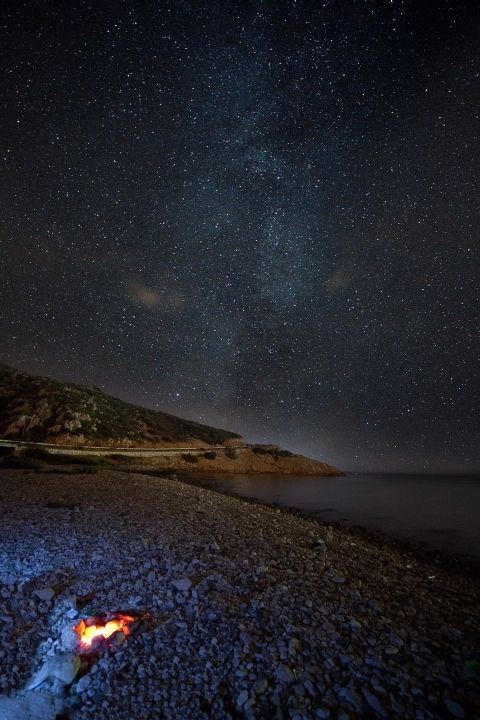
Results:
247 611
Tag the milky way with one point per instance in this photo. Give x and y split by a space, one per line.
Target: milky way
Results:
259 215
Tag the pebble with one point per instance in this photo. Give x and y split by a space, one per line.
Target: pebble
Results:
454 708
284 674
242 698
260 685
183 585
294 646
245 619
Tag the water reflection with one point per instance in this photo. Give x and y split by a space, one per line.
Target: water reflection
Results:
442 511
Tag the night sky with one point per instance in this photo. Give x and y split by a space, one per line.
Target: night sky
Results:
259 215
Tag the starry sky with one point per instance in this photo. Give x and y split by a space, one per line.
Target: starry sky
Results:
260 215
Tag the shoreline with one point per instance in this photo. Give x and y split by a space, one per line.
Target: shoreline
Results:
421 551
254 612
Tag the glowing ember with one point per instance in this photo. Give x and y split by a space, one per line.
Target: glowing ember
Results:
88 632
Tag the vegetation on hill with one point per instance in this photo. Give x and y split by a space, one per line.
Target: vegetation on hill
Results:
39 409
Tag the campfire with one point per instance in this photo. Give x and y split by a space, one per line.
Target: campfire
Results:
91 628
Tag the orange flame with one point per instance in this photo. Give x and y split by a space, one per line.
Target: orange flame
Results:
87 633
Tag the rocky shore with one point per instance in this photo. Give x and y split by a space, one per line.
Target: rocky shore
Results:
253 459
247 612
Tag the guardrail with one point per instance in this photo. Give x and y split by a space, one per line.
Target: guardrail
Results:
109 450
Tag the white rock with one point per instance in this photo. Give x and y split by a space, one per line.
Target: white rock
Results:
28 706
59 667
69 639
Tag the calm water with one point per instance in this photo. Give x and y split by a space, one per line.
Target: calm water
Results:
441 511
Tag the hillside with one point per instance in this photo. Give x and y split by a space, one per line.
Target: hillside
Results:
39 409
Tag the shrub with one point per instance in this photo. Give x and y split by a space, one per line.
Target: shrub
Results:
38 454
284 453
63 458
18 462
210 455
190 457
274 452
231 453
260 451
120 457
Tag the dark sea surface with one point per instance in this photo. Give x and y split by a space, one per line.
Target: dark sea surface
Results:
440 511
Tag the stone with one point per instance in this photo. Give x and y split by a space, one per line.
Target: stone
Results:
260 685
28 706
58 667
338 579
69 639
183 585
284 674
294 646
242 698
348 695
83 683
454 708
45 594
391 650
374 702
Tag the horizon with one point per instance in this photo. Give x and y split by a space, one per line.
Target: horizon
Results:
347 471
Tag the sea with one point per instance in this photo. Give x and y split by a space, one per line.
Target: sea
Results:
440 512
